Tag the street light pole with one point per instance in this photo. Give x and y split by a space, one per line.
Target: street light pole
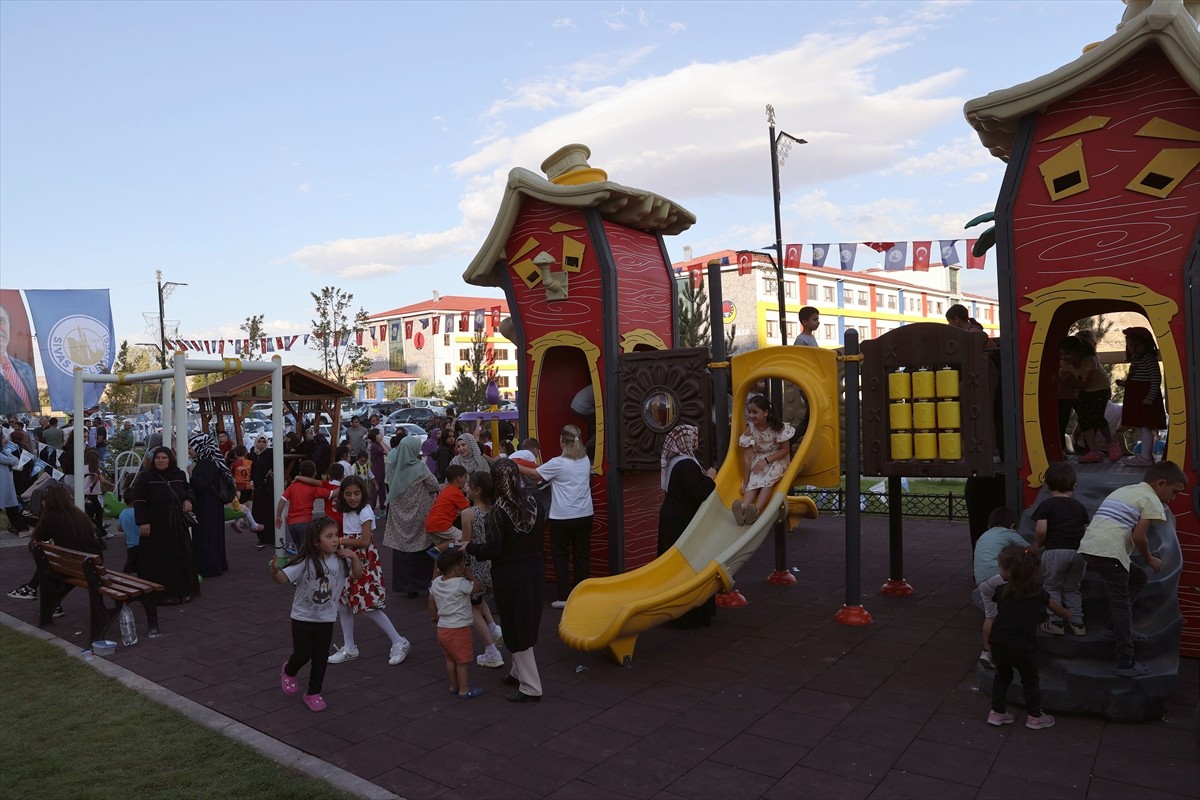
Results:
788 140
164 291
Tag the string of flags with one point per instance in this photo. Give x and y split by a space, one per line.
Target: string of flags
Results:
895 258
375 334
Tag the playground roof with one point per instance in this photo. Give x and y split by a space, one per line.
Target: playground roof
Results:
1166 24
634 208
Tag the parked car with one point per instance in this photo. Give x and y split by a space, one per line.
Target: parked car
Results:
418 416
411 429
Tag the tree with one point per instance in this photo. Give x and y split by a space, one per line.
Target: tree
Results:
130 359
253 328
695 328
470 390
393 390
427 388
342 358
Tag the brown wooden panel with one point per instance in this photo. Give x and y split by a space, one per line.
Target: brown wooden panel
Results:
679 375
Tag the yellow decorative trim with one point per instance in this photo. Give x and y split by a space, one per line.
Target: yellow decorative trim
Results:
631 339
1090 123
1045 303
591 351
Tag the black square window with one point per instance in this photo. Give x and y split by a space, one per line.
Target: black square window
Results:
1061 184
1156 180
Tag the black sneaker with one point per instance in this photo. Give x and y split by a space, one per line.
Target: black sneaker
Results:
23 592
58 612
1132 670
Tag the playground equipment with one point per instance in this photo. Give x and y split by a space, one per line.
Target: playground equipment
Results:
609 613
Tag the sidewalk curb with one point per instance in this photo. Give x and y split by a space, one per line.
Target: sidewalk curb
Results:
277 751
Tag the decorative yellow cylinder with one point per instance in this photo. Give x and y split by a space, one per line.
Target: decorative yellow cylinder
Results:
950 446
947 383
901 416
902 446
923 385
926 446
924 416
949 415
899 386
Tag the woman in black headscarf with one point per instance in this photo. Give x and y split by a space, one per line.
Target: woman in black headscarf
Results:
162 495
262 475
686 485
208 537
514 546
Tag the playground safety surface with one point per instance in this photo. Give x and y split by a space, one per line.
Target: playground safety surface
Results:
775 700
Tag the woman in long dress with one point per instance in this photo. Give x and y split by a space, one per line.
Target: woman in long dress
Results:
514 546
411 490
686 485
208 537
162 495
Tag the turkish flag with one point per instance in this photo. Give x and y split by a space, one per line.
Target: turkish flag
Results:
791 255
697 279
495 317
436 322
408 329
464 320
745 262
921 256
974 261
880 247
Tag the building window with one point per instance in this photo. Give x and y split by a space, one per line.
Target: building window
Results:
862 331
812 293
791 331
502 381
891 300
464 354
769 286
448 370
862 298
828 294
789 288
828 331
953 281
939 308
770 329
501 353
446 340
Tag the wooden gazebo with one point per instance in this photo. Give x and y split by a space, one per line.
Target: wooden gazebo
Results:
304 392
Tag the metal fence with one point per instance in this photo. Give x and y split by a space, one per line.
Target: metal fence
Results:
947 506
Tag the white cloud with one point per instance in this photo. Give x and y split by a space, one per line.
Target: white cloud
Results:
963 153
616 19
855 126
563 22
305 187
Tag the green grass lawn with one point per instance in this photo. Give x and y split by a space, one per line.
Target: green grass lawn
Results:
68 731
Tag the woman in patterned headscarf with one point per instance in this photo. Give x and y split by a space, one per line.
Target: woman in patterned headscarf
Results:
687 486
208 536
514 546
410 494
468 455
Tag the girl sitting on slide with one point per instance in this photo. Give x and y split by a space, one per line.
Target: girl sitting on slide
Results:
765 452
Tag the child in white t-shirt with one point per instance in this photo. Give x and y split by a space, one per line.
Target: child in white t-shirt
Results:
320 571
450 610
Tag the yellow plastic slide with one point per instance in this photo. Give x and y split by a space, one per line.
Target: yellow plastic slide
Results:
609 613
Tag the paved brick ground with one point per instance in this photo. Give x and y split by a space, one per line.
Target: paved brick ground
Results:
774 701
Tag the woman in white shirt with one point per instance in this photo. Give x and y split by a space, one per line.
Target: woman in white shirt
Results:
569 476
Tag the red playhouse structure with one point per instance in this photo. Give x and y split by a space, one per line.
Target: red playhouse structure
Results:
583 265
1100 213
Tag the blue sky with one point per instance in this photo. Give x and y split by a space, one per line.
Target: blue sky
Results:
260 151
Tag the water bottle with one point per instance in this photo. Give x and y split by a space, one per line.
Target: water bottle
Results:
128 628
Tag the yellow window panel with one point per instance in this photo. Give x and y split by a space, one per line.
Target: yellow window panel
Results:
1165 171
572 258
528 271
1159 128
563 227
1064 172
530 243
1092 123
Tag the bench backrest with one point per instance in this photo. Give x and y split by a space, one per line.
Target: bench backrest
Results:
66 561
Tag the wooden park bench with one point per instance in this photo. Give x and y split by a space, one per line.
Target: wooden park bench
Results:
61 565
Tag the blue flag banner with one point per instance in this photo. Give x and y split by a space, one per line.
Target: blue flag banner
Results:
820 253
848 252
479 319
949 252
896 255
74 329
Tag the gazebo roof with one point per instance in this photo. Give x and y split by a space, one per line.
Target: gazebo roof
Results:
297 382
1166 24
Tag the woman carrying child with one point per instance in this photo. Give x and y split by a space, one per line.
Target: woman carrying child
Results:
765 452
1020 609
365 594
1092 398
1143 406
320 571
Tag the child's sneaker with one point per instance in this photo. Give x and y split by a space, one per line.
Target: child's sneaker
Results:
739 513
1091 457
1114 451
24 592
1078 628
985 658
1037 723
286 682
997 719
490 658
343 655
1052 627
314 702
1132 670
399 651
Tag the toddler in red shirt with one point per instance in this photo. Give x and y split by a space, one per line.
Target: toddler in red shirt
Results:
439 522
